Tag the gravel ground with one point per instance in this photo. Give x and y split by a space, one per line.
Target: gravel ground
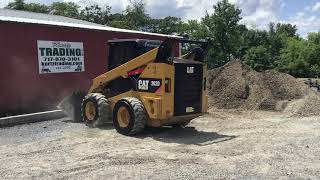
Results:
220 145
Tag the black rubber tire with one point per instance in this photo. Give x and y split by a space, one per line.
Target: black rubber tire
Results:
103 109
138 116
77 102
71 106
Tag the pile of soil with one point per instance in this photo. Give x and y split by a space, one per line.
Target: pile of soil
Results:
236 85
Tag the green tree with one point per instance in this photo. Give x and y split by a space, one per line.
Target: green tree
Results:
136 16
36 7
314 37
118 20
167 25
223 27
251 38
195 30
275 42
17 5
32 7
299 57
96 14
69 9
258 58
293 58
288 30
256 38
271 41
278 36
315 71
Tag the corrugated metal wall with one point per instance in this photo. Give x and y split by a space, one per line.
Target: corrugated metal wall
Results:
23 89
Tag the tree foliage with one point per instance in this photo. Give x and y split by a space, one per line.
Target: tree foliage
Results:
167 25
314 38
96 14
300 58
17 5
223 27
134 17
36 7
68 9
258 58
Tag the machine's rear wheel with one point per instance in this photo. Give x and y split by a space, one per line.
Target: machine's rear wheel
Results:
96 110
129 116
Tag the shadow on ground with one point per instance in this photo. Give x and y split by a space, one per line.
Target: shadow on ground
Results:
187 135
107 126
180 135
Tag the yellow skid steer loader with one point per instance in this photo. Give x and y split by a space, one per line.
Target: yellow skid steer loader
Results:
145 86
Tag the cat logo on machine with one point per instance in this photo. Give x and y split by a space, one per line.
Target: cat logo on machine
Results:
143 85
190 70
148 84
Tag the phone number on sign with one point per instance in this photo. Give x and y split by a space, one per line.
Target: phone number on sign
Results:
61 59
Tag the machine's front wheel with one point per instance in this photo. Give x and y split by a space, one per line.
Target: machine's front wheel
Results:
96 110
129 116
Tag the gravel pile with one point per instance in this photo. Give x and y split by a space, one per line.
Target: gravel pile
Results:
237 86
307 106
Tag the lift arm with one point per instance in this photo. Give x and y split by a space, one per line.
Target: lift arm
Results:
122 71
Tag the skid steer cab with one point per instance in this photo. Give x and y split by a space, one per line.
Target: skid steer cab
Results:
145 86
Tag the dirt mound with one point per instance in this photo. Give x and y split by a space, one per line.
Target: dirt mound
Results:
307 106
236 85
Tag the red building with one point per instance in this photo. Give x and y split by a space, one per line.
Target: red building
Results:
45 57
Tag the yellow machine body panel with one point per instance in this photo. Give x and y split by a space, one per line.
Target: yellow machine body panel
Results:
160 104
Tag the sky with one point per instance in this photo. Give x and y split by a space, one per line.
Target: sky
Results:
305 14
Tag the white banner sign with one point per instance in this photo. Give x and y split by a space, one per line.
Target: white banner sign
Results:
60 57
